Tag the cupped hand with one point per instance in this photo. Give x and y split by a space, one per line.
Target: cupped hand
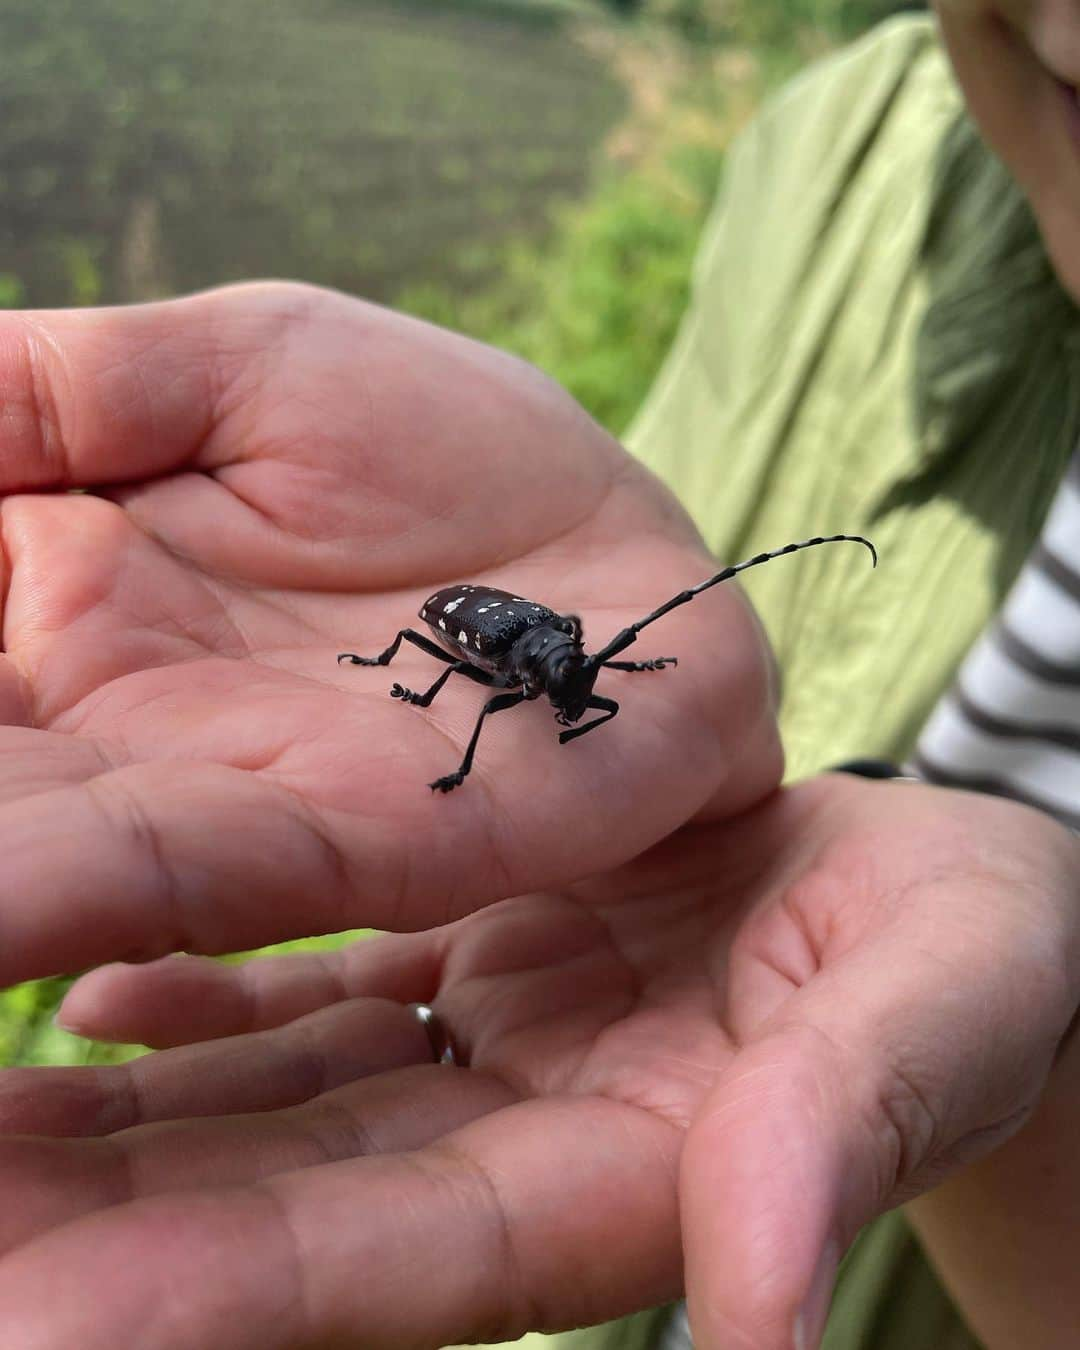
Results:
767 1029
271 475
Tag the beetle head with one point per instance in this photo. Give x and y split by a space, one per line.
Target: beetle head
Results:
549 659
568 682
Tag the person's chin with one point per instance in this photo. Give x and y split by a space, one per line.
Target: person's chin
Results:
1070 110
1059 220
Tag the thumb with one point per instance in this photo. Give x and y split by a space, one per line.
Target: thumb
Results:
819 1126
115 395
776 1175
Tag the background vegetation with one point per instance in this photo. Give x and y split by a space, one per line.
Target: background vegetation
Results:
533 172
149 149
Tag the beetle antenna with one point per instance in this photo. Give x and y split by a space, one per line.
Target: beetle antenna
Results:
628 635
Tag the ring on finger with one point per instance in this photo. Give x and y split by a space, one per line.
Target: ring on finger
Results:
443 1049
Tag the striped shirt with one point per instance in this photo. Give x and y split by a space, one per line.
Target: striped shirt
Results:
1010 725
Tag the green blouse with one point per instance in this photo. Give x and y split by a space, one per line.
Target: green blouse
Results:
876 344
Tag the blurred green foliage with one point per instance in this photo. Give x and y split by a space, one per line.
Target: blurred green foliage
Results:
598 306
28 1035
11 291
597 302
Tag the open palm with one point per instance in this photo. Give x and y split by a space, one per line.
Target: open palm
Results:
275 474
768 1029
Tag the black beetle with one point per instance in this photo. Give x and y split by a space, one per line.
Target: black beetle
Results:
507 642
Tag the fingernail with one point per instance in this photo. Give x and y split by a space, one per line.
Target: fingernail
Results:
811 1317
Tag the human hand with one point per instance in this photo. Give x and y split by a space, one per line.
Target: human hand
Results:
779 1025
277 473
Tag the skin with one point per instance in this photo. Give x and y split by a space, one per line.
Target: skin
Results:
727 1042
1011 58
745 1021
277 474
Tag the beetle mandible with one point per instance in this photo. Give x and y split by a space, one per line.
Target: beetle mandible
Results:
507 642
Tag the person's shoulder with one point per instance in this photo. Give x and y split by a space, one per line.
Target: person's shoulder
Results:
900 53
864 124
893 84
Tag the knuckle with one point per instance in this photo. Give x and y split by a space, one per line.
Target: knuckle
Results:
906 1123
32 377
290 298
509 1310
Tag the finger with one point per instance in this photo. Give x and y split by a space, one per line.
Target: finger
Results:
760 1157
260 1072
106 395
182 999
48 1182
465 1240
234 379
181 855
139 869
111 395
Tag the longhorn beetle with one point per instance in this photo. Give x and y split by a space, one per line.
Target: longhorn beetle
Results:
507 642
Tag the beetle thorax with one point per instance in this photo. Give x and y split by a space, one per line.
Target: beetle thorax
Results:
550 661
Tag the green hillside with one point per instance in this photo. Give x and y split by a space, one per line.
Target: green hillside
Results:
367 144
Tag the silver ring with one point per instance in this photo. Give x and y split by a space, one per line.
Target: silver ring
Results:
443 1050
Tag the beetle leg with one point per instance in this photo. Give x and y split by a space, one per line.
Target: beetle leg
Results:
406 635
609 707
458 668
452 780
658 663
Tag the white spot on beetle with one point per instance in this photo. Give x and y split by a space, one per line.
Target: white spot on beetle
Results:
442 624
463 636
454 604
477 641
